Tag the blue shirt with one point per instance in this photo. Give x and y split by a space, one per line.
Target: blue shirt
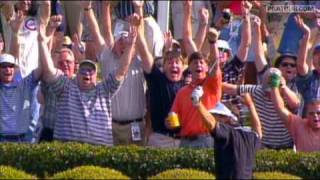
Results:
16 99
309 86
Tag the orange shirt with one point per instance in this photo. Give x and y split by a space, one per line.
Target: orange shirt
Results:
189 116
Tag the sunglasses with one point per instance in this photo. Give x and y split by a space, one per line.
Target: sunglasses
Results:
223 50
87 71
5 65
288 65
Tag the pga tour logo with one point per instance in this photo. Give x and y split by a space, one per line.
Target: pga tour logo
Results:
291 8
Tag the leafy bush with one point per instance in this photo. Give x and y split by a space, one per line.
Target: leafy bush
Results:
46 159
273 175
183 174
90 172
7 172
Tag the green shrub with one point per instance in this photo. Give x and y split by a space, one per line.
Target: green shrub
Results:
90 172
274 175
183 174
46 159
7 172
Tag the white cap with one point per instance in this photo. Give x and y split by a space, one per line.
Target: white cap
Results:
223 44
7 58
221 109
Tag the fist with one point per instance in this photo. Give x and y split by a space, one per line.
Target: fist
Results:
196 95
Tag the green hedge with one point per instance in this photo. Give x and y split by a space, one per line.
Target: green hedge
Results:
90 172
44 160
273 175
7 172
183 174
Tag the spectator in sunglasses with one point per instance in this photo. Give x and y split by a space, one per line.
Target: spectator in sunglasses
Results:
287 63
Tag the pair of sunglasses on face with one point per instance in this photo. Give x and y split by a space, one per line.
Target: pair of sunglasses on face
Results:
6 65
87 71
292 65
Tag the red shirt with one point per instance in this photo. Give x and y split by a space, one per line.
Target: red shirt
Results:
189 116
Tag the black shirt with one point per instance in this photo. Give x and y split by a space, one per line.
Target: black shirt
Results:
235 152
161 92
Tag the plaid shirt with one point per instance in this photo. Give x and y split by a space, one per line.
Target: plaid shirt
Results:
232 73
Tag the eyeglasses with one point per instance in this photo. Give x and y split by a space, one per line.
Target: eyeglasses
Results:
223 50
314 113
5 65
288 65
87 71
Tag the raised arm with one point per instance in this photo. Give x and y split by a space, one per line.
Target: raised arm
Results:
143 50
203 28
274 81
16 24
255 120
260 59
290 97
207 118
44 11
302 65
187 28
127 56
54 22
214 52
246 32
49 71
93 26
106 24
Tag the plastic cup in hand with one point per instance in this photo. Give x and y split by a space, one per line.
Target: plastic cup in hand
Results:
173 120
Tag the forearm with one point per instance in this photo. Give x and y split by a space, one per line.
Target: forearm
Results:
15 45
125 62
48 68
260 61
245 39
106 23
201 35
230 89
187 32
279 104
44 12
94 28
302 66
255 121
214 57
291 98
207 118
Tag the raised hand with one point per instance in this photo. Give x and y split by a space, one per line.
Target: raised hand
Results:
187 4
204 16
245 7
167 36
132 35
135 19
17 22
78 48
301 24
137 3
55 21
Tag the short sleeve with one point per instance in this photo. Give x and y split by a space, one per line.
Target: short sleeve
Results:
111 85
59 85
302 82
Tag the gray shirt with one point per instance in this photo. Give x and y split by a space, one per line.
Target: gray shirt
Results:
129 102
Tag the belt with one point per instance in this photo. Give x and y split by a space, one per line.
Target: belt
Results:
126 121
12 137
195 137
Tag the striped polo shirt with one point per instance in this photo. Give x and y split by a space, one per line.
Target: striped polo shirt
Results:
84 116
15 105
273 129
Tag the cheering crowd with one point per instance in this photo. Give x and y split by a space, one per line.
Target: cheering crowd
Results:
103 72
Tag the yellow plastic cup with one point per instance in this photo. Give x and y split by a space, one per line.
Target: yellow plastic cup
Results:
173 120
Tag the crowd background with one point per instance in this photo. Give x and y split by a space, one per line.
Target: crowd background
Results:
109 75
